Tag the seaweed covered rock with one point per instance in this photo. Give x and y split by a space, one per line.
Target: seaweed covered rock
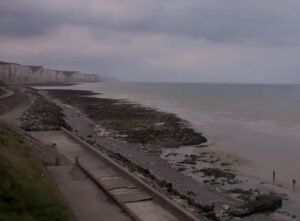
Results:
263 203
218 173
133 122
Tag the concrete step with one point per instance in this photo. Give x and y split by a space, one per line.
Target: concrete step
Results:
150 211
111 183
123 187
125 195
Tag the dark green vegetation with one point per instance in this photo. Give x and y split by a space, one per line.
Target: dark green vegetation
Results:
26 192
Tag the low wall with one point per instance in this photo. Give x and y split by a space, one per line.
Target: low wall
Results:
161 199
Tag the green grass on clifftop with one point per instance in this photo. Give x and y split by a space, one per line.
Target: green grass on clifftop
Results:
26 192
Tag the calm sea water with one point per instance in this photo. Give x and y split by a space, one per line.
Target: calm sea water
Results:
266 107
259 124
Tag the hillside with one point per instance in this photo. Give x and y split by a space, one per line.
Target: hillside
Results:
22 74
26 191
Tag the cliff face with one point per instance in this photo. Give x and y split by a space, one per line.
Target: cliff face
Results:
21 74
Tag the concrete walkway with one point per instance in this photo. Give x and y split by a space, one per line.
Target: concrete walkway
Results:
136 202
85 199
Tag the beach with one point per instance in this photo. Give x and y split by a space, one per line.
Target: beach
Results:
241 123
193 159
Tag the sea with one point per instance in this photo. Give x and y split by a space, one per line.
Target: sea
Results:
259 124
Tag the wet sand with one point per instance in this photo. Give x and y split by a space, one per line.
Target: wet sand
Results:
263 154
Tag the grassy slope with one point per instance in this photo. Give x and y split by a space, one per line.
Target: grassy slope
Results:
26 192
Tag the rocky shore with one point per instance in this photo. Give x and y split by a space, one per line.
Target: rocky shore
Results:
132 122
42 115
197 180
136 136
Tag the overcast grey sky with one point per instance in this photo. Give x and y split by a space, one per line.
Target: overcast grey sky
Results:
157 40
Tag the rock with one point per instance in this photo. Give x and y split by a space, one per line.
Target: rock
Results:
263 203
180 169
242 194
217 173
191 159
131 122
167 185
43 115
225 207
190 193
224 164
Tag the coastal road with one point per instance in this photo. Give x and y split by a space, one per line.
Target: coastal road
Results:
138 203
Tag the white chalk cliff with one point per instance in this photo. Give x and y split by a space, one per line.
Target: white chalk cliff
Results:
22 74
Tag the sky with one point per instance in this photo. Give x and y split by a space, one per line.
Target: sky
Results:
250 41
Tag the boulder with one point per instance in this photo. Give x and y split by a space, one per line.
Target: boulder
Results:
218 173
263 203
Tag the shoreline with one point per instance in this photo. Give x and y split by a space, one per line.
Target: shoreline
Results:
132 122
259 152
92 139
43 110
149 164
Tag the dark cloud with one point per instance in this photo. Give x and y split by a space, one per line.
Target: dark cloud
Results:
21 23
215 40
231 21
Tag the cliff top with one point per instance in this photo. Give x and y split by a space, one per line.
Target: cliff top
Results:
39 74
36 67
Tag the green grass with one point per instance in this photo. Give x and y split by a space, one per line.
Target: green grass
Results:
26 191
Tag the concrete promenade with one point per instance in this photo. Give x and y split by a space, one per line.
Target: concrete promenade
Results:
91 203
83 196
